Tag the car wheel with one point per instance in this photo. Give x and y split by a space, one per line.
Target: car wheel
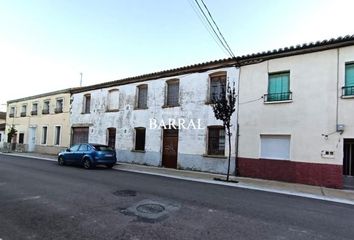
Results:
87 163
61 161
110 165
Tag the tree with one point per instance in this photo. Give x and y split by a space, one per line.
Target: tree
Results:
223 107
11 133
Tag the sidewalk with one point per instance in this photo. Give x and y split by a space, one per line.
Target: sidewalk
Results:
315 192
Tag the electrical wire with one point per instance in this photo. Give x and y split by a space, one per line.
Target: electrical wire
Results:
250 101
206 26
217 27
220 39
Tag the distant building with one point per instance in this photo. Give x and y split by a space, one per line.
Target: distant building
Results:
41 121
2 128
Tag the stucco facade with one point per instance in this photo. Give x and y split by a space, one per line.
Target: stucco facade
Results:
308 120
193 105
43 129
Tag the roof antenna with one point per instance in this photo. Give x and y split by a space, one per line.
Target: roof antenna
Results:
81 79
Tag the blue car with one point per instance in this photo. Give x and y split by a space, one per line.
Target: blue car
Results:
88 155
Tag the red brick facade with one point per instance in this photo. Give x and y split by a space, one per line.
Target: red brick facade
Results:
327 175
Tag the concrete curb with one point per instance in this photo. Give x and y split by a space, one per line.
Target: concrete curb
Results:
238 185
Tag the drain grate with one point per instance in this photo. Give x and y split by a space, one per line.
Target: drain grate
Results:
125 193
150 208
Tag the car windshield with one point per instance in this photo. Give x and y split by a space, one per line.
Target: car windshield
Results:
102 148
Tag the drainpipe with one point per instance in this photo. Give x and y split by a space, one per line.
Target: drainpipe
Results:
237 66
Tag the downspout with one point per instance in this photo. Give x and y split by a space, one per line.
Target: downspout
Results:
237 120
337 100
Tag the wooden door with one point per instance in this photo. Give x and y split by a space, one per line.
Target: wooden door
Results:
112 137
170 148
80 135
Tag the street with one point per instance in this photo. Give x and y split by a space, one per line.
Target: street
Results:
41 200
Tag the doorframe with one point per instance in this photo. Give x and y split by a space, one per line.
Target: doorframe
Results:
161 143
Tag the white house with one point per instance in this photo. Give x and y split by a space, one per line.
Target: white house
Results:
129 115
296 114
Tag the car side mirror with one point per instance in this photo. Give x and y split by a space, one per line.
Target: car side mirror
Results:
67 150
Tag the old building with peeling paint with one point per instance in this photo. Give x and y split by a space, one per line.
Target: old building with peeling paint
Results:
121 114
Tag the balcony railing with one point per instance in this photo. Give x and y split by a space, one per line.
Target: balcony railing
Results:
275 97
34 113
347 91
23 114
58 110
45 111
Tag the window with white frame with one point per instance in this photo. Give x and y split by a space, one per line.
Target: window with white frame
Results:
275 147
57 135
12 112
44 134
34 109
113 100
24 110
59 105
46 107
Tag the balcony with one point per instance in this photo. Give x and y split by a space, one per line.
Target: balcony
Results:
23 114
45 111
58 110
347 91
278 97
34 113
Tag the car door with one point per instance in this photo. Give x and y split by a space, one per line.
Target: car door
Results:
70 155
81 152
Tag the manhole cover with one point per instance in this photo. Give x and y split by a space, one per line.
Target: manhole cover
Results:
125 193
150 208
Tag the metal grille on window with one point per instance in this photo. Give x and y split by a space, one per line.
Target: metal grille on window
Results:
217 86
216 144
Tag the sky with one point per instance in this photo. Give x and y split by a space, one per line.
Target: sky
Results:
46 44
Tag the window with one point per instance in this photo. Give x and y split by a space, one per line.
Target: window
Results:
87 103
140 139
45 107
44 134
84 148
142 96
278 87
74 148
217 85
113 100
12 112
34 109
21 138
216 140
275 146
59 106
348 89
57 135
23 110
0 137
172 93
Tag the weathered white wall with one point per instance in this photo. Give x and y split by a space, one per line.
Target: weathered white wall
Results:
191 143
313 82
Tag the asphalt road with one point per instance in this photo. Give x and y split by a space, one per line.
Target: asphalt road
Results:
41 200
